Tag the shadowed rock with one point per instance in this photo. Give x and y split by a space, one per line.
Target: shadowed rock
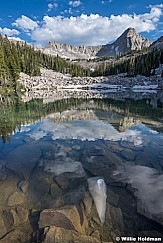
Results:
53 218
23 159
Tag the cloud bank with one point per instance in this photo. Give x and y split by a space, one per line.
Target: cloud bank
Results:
90 29
25 23
9 32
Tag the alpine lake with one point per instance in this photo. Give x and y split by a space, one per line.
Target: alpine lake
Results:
51 142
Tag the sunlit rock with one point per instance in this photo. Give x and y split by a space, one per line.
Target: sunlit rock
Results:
15 199
97 189
58 234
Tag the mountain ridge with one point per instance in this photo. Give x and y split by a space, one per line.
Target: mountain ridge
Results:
129 40
158 44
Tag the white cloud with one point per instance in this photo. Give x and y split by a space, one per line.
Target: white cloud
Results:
68 11
94 29
9 32
75 3
51 6
105 2
90 29
157 6
25 23
15 39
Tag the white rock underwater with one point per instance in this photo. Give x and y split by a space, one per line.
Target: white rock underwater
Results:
97 189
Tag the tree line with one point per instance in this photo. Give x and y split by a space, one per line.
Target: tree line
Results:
16 57
143 64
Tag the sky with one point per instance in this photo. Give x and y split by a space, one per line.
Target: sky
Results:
79 22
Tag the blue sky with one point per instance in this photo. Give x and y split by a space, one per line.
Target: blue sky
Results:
78 22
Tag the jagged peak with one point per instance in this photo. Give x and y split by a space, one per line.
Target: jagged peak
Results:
129 40
130 29
130 32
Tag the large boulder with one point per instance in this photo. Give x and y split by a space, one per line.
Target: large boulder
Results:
23 159
67 218
100 162
15 199
7 188
61 235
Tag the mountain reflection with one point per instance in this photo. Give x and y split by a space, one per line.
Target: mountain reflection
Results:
122 112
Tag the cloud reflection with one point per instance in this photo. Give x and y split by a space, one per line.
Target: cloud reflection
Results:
148 184
85 130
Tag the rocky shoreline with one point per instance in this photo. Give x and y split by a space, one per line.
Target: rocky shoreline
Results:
53 80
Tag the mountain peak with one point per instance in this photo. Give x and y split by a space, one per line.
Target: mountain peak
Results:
130 29
131 40
128 41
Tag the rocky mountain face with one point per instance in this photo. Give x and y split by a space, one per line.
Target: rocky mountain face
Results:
70 51
128 41
157 44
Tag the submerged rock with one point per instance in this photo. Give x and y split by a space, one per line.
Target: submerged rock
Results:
7 188
3 229
23 186
88 202
22 214
145 211
67 218
15 236
8 219
116 217
66 165
54 190
112 198
128 154
23 159
50 217
15 199
57 234
102 164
